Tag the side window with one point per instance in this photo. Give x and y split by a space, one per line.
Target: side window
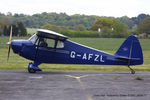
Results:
60 44
42 42
45 42
50 43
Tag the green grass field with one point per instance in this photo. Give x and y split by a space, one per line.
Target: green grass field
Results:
105 44
31 31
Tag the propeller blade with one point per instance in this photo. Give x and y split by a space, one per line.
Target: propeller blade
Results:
8 54
9 43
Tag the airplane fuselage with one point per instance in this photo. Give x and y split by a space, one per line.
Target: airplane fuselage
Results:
47 46
72 53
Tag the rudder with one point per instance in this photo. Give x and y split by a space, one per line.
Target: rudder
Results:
131 50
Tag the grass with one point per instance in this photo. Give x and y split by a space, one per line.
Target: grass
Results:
111 44
139 78
4 40
31 31
116 78
106 44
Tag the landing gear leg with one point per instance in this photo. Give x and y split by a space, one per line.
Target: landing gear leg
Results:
132 71
33 67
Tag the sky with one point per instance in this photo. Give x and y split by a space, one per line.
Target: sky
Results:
113 8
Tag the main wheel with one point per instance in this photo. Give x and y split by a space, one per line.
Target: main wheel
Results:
30 69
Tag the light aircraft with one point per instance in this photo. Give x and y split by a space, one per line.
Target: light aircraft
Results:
47 46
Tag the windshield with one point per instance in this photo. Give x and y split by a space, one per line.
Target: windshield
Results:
33 38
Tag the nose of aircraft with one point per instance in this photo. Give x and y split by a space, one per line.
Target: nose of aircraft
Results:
16 46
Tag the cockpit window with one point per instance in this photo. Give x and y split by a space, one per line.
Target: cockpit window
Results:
60 44
46 42
33 39
42 42
50 42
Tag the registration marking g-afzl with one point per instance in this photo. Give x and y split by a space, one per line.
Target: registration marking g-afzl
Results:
86 56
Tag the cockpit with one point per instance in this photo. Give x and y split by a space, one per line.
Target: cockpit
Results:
46 42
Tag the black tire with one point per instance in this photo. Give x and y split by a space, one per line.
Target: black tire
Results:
31 70
132 72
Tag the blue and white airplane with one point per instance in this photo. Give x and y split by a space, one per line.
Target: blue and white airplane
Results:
47 46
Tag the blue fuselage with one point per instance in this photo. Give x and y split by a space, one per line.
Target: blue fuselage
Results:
71 53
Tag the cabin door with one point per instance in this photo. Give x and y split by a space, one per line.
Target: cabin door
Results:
46 50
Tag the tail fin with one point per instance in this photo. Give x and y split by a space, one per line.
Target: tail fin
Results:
131 50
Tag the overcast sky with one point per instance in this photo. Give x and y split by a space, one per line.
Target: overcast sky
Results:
116 8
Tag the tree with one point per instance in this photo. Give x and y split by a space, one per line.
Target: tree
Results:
139 18
102 23
2 26
80 27
119 30
5 31
110 27
21 28
144 26
54 28
15 30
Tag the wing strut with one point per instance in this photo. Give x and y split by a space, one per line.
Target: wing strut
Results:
33 67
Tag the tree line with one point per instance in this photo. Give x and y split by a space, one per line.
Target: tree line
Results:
75 24
18 29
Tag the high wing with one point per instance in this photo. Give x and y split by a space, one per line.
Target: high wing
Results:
51 34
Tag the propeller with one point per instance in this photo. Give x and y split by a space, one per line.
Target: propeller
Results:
9 43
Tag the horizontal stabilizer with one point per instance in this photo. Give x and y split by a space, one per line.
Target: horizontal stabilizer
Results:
126 58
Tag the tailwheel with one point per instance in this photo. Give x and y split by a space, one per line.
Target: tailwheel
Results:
132 71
